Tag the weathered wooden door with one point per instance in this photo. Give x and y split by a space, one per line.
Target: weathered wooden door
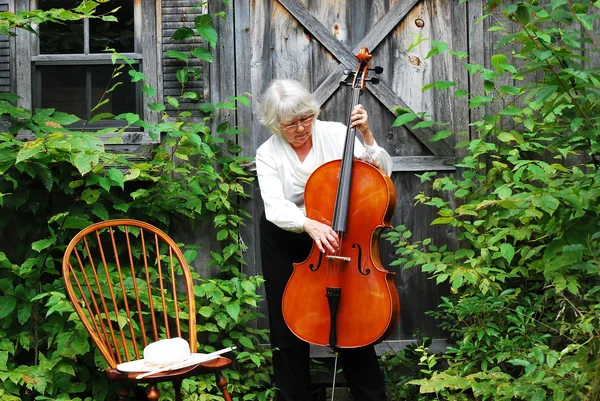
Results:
313 41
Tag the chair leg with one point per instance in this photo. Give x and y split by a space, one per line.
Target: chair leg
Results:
177 387
140 392
153 393
123 391
222 383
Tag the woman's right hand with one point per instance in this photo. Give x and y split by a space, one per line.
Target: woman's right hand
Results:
323 235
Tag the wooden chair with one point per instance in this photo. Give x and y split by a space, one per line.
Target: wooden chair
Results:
131 285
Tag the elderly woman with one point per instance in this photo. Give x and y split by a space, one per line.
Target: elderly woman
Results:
299 145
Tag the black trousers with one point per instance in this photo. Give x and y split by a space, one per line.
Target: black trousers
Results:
291 360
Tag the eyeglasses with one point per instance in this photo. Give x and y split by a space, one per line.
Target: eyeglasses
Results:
294 127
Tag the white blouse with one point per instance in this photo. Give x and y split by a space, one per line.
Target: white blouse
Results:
282 176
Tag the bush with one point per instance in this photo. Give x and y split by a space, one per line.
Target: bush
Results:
62 181
525 296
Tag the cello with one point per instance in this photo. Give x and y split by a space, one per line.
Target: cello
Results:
346 299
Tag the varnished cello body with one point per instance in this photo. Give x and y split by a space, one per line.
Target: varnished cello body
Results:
345 300
369 305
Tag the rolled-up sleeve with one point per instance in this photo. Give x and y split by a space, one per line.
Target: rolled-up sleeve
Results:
377 156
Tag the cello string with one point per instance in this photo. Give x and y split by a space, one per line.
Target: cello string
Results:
339 263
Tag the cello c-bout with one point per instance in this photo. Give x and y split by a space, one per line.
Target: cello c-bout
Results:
346 300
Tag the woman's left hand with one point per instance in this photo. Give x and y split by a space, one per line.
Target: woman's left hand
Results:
360 119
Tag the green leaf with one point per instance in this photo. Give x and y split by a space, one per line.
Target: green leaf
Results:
202 54
437 47
477 101
24 312
547 203
182 76
460 93
222 235
511 110
545 92
522 14
117 177
99 210
507 251
233 309
183 33
255 359
207 107
172 101
157 107
576 123
43 244
90 195
136 76
206 311
30 150
100 116
439 85
205 29
424 124
443 220
403 119
64 118
76 222
513 90
85 162
497 61
7 305
539 395
246 342
440 135
177 55
242 99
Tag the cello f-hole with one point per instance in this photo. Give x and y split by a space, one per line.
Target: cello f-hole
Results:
314 268
359 261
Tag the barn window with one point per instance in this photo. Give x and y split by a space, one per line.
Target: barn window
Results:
69 67
73 70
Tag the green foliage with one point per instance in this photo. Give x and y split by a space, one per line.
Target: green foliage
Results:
61 181
401 367
524 306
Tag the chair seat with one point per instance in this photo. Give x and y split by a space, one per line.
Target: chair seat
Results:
214 366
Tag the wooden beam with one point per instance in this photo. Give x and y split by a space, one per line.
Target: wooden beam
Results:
438 346
322 34
390 99
423 163
348 60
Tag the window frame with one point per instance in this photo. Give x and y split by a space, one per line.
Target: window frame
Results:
146 54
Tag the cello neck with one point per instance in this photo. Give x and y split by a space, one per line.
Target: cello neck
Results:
340 213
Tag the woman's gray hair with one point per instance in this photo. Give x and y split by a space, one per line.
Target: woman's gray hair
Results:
284 101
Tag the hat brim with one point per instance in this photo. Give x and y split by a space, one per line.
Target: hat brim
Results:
139 365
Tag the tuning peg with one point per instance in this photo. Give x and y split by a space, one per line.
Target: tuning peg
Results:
374 81
377 70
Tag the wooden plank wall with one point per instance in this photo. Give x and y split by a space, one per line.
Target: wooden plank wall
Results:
313 41
310 41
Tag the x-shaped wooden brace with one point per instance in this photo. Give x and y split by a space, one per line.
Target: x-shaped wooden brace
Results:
348 60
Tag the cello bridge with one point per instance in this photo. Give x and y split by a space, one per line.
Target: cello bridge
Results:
340 258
